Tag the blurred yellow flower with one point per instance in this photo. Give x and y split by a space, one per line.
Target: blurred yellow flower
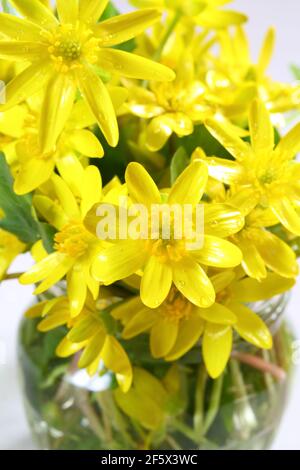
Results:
88 334
10 248
63 54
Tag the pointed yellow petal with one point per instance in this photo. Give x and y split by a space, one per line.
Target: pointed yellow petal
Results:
289 145
24 85
163 336
157 133
141 187
252 262
261 130
142 321
245 200
77 290
156 282
251 290
67 11
190 185
218 314
222 280
251 327
216 347
226 171
98 98
190 331
133 66
19 29
286 214
218 252
57 106
36 310
277 255
51 212
91 188
91 10
32 174
42 269
93 349
118 261
229 139
58 273
222 220
65 197
266 52
211 18
83 330
66 348
58 318
116 359
193 283
121 28
71 171
21 50
35 11
86 143
127 310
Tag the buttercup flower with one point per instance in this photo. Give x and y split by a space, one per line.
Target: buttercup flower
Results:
177 261
265 175
63 54
88 333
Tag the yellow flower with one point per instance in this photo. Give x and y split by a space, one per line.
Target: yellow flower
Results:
88 334
173 107
264 175
63 54
10 248
205 13
172 260
149 401
177 325
235 79
31 167
65 208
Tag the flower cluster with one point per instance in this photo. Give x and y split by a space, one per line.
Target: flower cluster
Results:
159 108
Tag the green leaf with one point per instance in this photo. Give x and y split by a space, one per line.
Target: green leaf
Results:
295 71
179 163
47 233
18 218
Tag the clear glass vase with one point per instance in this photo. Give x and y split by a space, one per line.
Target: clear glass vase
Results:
171 406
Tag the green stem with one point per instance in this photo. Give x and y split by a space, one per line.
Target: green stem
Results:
214 404
186 430
199 400
269 381
12 276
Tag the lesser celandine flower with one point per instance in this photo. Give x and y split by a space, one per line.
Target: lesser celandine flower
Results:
88 334
63 52
172 260
268 174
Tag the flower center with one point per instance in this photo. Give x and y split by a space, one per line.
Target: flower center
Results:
73 240
176 307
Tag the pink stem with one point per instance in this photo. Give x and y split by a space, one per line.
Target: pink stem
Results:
260 364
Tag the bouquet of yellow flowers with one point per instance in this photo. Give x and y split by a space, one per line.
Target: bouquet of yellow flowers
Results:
144 167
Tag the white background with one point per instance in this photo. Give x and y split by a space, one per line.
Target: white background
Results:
14 434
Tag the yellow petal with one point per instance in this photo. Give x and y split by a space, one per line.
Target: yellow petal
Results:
190 185
77 290
216 348
261 130
36 310
21 50
66 348
19 29
83 330
289 145
59 318
133 66
251 290
12 121
229 139
222 220
57 106
91 10
118 261
286 214
116 359
222 280
190 331
65 197
245 200
56 275
251 327
266 52
211 18
127 310
98 98
277 255
226 171
91 188
86 143
156 282
24 85
141 187
163 336
193 283
81 116
35 11
93 349
218 314
121 28
157 133
218 252
72 172
252 262
42 269
32 174
51 212
67 11
180 123
141 321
